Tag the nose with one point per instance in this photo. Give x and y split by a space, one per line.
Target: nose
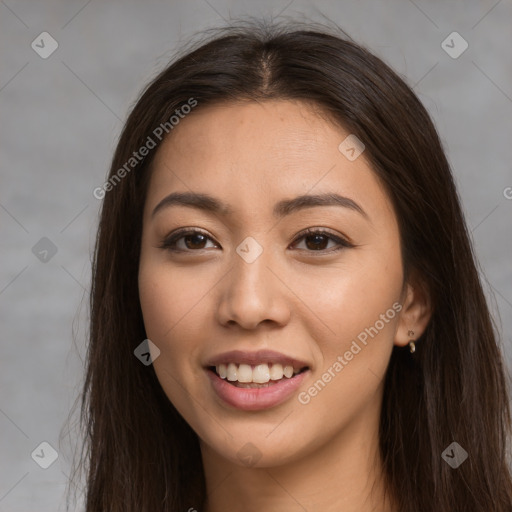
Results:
253 293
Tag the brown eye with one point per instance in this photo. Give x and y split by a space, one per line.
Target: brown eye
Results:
192 240
318 241
315 242
195 241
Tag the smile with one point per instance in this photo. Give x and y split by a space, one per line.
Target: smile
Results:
245 375
255 396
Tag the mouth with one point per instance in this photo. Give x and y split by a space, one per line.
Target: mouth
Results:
255 380
256 376
255 396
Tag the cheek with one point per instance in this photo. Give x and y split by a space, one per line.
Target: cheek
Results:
173 319
170 298
356 309
362 311
169 319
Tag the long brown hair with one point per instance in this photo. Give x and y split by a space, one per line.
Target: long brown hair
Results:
138 452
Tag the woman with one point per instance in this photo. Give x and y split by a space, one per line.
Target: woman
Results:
286 312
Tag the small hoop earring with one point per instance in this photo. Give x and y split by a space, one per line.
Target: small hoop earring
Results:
412 345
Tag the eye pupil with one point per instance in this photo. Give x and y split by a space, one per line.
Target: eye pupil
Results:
318 240
195 236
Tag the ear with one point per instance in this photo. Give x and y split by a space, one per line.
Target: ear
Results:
416 310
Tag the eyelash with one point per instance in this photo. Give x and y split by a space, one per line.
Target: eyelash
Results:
169 243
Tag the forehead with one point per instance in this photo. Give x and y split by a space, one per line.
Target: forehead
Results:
248 152
280 132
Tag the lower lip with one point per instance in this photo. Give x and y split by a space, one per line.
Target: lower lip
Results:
255 399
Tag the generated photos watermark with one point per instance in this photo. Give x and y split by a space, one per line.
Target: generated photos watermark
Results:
138 156
305 397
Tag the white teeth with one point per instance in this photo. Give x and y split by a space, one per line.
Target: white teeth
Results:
276 372
259 374
288 371
232 372
222 370
244 373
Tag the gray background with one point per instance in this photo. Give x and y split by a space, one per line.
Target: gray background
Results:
61 117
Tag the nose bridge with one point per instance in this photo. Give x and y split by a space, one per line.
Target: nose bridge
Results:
251 293
250 263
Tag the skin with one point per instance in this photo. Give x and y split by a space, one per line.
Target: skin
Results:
206 300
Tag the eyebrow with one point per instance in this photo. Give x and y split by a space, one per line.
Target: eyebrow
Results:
283 208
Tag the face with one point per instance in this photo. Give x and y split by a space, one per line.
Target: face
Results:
264 281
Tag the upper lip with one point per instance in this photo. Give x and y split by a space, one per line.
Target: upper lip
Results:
254 358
